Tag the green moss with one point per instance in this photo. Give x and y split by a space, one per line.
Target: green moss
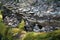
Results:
21 25
43 36
29 36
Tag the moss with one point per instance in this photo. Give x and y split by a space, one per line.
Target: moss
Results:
29 36
43 36
21 25
0 16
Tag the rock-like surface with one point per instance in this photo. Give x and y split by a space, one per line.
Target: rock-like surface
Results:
40 11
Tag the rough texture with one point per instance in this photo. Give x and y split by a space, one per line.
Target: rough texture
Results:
41 11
